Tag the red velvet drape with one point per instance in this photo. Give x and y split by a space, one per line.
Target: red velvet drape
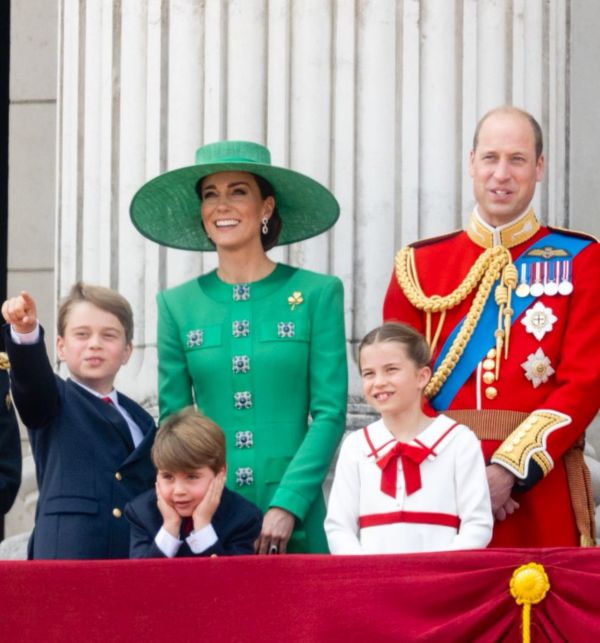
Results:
460 596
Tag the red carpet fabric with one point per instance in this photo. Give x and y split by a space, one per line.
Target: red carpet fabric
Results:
460 596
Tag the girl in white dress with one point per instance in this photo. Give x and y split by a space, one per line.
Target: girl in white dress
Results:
407 482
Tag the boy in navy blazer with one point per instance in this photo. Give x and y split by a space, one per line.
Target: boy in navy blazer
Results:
190 512
91 445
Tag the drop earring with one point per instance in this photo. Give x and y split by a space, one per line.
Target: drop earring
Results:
265 225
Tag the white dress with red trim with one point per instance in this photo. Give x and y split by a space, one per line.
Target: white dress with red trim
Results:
449 509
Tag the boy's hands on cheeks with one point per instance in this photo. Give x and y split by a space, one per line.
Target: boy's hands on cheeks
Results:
205 509
171 519
21 313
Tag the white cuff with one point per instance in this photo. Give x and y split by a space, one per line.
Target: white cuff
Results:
202 539
168 544
26 338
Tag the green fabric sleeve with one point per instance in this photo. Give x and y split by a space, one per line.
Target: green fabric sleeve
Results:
328 385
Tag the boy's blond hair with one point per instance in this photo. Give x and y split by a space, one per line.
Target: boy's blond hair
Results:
103 298
188 440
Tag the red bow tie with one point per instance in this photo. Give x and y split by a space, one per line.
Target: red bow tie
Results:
411 457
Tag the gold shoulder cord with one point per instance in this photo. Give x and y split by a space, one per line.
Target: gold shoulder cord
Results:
492 264
4 363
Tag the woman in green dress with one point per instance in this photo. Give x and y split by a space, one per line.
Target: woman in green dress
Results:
258 346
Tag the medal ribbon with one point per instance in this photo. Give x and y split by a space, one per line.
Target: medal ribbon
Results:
411 457
483 338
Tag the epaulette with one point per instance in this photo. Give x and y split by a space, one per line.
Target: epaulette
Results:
574 233
4 363
432 240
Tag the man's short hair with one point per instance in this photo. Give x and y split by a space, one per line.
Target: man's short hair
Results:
509 109
187 441
103 298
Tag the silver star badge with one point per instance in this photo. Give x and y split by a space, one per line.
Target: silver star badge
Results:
537 368
538 320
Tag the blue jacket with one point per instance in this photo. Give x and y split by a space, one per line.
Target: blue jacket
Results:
236 521
86 466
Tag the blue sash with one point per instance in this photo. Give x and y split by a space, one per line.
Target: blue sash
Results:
483 338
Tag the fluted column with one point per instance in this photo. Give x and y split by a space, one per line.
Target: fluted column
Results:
376 98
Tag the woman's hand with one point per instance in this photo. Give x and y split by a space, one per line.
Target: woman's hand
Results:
278 525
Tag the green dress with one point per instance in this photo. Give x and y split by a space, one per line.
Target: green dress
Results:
267 362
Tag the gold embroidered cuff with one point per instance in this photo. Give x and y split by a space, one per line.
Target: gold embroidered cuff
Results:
528 441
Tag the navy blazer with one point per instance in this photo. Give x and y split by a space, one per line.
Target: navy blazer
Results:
236 521
86 466
10 448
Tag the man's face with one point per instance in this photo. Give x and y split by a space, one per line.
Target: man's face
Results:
504 168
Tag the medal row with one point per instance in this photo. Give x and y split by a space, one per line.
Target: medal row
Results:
545 278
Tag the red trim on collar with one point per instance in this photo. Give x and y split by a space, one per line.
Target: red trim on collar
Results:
444 434
374 450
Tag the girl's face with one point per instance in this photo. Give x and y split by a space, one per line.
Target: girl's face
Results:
392 382
233 208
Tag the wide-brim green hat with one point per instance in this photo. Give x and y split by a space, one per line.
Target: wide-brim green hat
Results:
167 208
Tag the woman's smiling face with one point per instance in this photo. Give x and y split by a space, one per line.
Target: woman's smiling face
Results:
232 209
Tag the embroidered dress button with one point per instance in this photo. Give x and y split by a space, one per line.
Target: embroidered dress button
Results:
240 328
241 292
244 439
240 364
242 400
117 513
286 329
195 338
118 475
244 476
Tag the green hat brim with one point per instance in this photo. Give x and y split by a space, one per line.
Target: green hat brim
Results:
166 209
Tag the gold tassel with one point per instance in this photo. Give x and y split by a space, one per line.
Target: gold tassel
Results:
528 586
509 279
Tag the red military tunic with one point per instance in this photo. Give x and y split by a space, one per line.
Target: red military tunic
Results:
551 375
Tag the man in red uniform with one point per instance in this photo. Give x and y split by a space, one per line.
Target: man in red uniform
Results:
511 310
